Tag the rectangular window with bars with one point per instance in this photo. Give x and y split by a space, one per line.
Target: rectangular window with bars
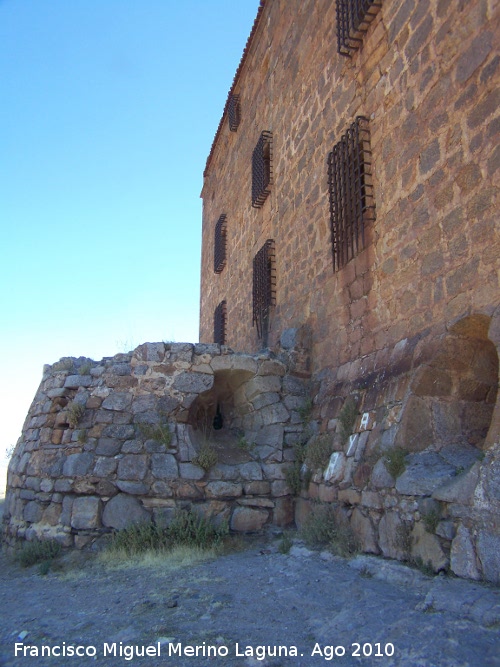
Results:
220 239
353 19
220 323
262 170
350 186
234 112
264 288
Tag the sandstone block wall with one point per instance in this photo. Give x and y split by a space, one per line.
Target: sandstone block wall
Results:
110 442
427 79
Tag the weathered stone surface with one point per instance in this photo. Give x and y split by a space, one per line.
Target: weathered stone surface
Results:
223 490
427 548
463 557
488 552
33 512
381 478
122 511
191 471
132 467
248 519
164 466
415 432
459 489
105 466
371 499
75 381
134 488
120 431
108 446
118 401
391 531
150 352
336 467
271 435
193 383
364 532
85 512
258 488
425 473
78 464
279 488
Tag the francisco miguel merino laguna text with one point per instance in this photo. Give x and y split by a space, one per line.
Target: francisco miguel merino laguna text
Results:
129 652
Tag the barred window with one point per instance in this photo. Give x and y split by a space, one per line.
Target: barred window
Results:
234 112
353 19
220 244
351 192
264 288
262 172
220 323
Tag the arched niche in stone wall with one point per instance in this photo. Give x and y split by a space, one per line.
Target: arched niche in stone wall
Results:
453 393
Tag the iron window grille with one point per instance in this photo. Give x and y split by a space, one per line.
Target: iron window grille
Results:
353 20
220 244
264 288
350 186
262 172
234 112
220 319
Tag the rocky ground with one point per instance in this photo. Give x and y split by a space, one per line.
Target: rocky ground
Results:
321 608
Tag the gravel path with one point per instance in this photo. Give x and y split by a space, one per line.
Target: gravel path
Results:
310 602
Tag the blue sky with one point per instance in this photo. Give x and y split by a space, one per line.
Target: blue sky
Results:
108 111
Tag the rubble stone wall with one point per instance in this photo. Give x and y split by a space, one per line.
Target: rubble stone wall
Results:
112 442
432 402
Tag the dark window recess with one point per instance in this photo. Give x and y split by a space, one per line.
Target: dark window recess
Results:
353 19
220 323
220 244
264 288
351 192
234 112
262 173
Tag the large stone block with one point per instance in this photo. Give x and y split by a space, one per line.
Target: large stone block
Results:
193 383
32 512
133 467
364 531
118 401
425 473
223 490
86 513
393 536
164 466
415 431
427 548
122 511
108 446
78 464
488 552
463 561
248 519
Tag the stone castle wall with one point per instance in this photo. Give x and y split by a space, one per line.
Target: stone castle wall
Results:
405 337
106 443
407 330
426 77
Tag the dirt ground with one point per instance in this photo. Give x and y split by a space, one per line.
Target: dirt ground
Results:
318 608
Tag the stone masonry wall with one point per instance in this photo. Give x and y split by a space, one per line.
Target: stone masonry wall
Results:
112 442
432 401
426 77
407 331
